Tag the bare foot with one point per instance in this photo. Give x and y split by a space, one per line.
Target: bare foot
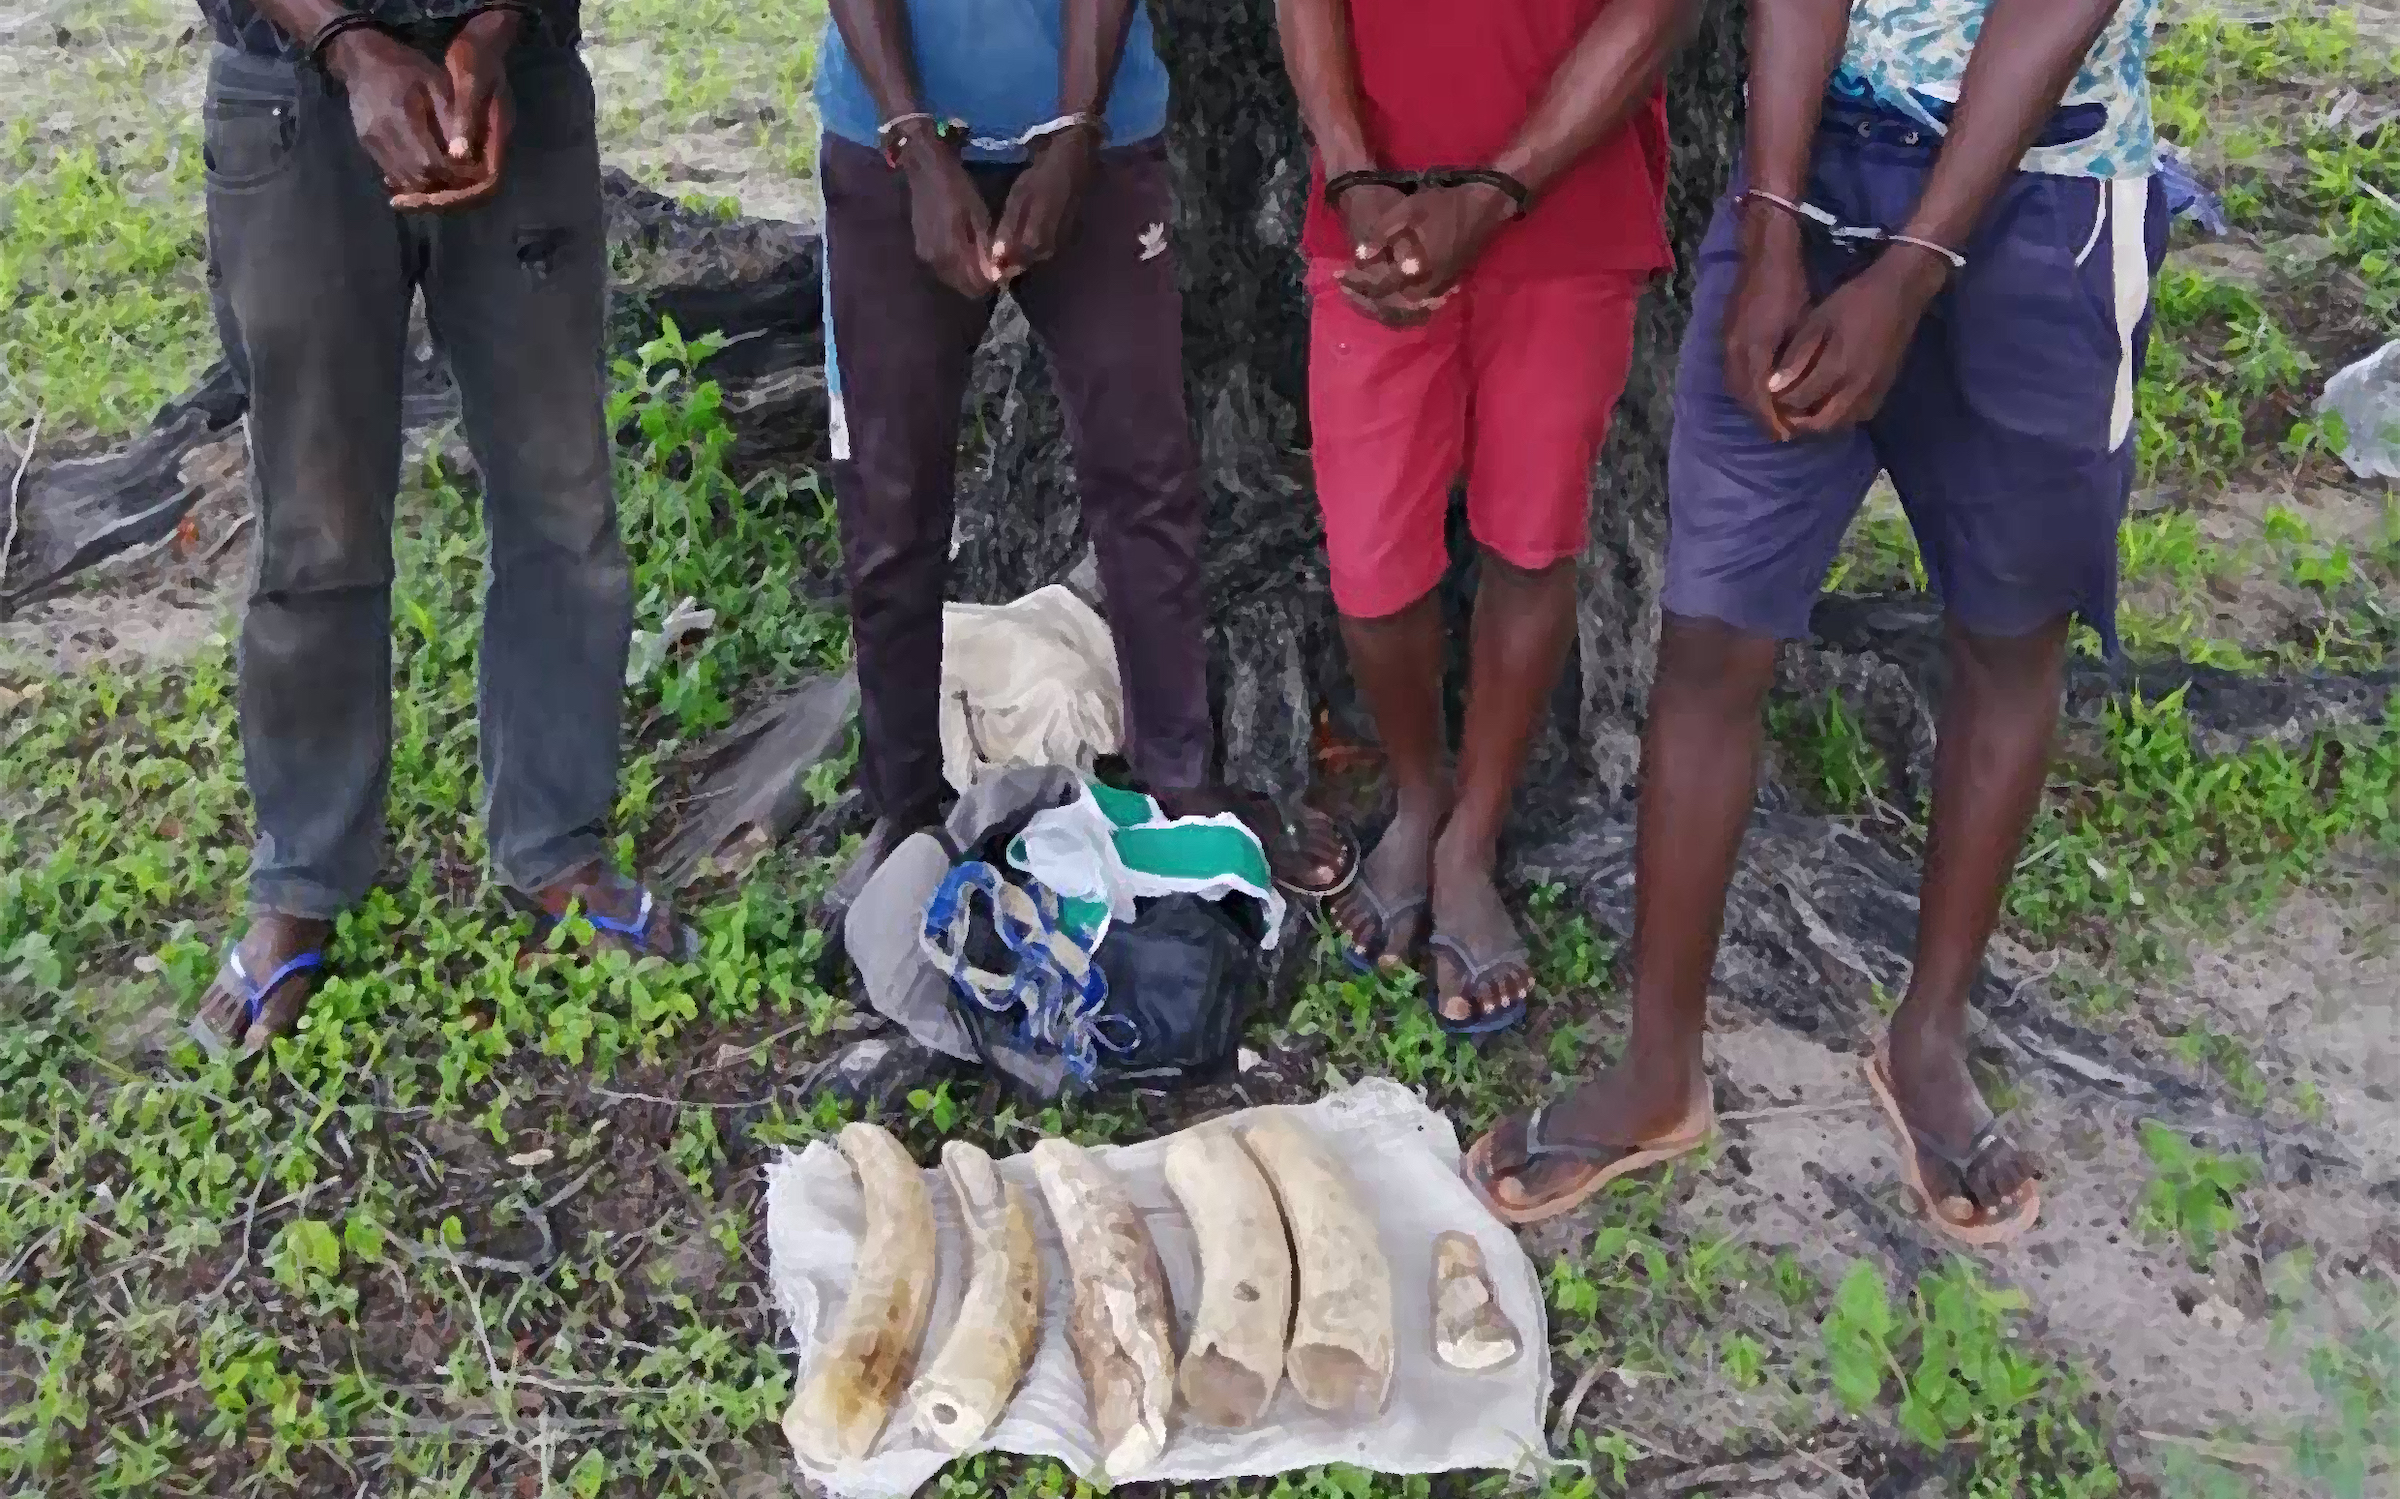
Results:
1938 1097
1628 1108
1482 968
249 1005
1308 851
624 915
1396 875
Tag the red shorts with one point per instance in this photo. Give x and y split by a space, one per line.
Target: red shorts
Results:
1510 386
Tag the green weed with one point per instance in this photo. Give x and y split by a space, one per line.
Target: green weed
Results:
2156 824
1841 768
2194 1194
1953 1355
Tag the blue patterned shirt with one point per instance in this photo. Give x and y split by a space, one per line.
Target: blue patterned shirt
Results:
1911 55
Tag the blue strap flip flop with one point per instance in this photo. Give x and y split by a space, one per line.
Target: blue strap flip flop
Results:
679 944
254 995
1387 913
1474 972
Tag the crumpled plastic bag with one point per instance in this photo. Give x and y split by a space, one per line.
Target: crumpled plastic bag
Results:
2366 396
883 930
1404 1158
2189 198
1028 683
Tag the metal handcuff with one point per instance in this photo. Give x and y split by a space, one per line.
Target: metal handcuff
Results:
891 136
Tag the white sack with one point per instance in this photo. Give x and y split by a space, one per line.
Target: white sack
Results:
1033 682
1405 1159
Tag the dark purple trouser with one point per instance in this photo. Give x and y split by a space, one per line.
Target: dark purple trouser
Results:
1107 312
2009 435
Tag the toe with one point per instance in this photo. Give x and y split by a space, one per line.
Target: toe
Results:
1354 921
1452 999
2003 1176
1506 991
1536 1181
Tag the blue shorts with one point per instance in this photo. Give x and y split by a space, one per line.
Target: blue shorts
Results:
2009 433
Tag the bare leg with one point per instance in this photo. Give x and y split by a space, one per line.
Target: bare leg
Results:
1699 774
1992 756
1398 663
1524 623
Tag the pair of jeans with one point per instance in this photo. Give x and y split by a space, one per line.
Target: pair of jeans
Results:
314 276
1107 311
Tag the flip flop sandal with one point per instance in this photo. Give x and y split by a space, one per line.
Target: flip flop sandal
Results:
1981 1232
635 932
1495 1020
1607 1162
1294 826
1387 916
254 996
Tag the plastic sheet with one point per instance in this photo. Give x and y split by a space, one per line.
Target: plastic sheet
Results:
1404 1158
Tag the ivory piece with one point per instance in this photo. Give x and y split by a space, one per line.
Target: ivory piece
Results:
1470 1332
1340 1358
859 1369
1235 1358
969 1383
1122 1324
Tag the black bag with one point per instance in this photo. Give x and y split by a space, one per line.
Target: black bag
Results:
1181 978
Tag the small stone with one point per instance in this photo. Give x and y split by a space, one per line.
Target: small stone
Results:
531 1158
2215 1313
1248 1060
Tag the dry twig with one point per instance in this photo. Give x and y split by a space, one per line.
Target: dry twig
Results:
16 497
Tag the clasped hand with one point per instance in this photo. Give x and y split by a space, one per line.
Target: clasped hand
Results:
1808 368
1412 249
954 231
438 133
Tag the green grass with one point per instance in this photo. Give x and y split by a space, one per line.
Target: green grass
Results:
100 235
2194 1194
1952 1356
741 71
2155 830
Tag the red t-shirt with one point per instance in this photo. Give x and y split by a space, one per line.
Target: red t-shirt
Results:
1450 82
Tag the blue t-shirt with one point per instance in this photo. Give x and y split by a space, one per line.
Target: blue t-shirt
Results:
994 64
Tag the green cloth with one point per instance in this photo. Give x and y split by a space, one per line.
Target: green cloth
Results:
1147 854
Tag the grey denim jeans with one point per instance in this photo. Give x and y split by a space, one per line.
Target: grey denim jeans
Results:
314 276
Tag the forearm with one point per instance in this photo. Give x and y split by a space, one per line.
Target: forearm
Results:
1323 66
304 20
1091 44
875 32
301 19
1794 47
2028 54
1614 68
